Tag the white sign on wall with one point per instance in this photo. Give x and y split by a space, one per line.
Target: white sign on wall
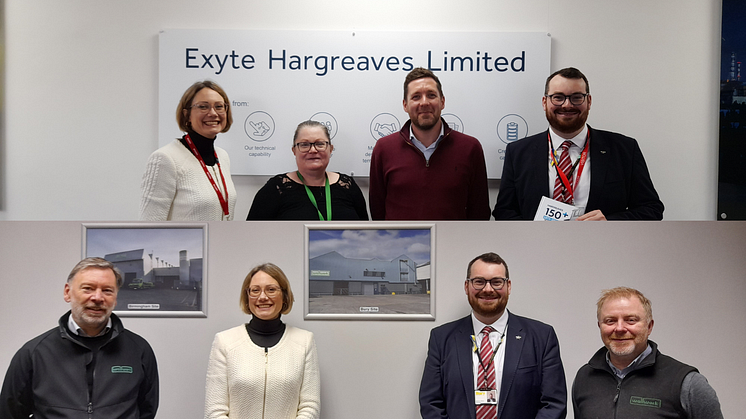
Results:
353 82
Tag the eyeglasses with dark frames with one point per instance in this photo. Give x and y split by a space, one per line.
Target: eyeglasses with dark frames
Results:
305 147
558 99
496 283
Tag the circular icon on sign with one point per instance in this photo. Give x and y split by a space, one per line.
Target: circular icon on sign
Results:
511 128
384 124
259 126
328 120
454 122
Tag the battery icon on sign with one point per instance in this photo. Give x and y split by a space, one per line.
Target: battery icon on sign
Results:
512 131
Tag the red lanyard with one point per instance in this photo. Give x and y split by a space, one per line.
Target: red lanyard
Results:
580 163
223 201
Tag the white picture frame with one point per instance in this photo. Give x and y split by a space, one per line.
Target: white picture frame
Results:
369 271
164 266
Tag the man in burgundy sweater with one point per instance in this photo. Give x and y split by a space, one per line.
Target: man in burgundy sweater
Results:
427 171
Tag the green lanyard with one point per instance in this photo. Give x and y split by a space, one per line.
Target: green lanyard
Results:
313 200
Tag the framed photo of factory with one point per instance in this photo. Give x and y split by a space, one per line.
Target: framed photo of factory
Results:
163 265
369 271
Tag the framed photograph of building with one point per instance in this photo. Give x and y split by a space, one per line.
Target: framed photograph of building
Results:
164 266
369 271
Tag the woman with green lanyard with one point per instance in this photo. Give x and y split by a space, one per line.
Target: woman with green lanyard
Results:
310 192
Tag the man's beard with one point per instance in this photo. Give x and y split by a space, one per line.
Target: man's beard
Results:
488 309
567 126
426 124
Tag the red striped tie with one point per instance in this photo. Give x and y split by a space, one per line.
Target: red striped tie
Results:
486 379
560 192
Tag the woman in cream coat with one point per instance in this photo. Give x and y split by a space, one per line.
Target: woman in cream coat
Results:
189 179
264 368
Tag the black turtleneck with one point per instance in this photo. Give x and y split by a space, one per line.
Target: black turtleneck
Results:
205 147
265 333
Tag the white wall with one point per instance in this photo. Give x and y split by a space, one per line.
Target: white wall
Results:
81 86
692 271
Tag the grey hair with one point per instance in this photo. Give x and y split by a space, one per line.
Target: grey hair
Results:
99 263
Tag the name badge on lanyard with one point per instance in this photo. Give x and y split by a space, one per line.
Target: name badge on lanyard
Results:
485 397
485 394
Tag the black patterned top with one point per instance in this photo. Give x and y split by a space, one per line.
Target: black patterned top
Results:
284 199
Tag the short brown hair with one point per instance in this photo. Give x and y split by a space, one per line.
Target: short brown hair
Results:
420 73
568 73
489 257
96 263
624 292
278 275
185 104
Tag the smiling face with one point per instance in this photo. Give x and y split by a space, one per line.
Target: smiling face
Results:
424 103
92 294
210 123
262 303
313 160
567 119
624 329
488 304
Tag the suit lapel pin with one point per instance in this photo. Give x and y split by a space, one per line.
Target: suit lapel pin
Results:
603 151
517 337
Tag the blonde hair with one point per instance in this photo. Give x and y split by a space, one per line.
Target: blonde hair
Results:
624 292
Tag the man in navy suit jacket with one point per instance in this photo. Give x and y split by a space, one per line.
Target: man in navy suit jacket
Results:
616 184
529 372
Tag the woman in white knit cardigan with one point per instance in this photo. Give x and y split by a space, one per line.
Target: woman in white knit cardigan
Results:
264 368
189 179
